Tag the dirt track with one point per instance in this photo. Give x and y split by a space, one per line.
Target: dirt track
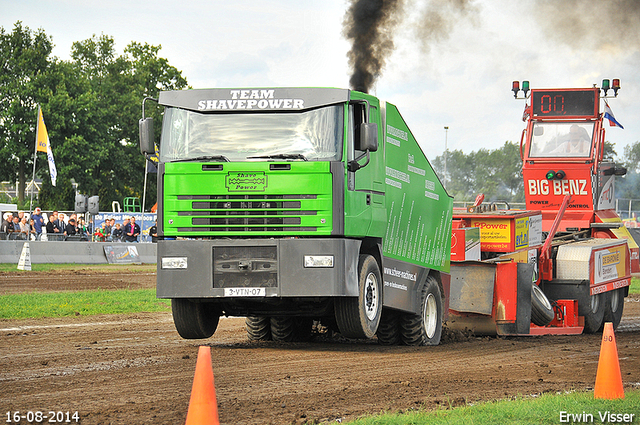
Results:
132 369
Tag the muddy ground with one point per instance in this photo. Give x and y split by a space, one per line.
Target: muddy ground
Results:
135 369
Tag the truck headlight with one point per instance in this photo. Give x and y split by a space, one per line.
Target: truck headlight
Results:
318 260
174 262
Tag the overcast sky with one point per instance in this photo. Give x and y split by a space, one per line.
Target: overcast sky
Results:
452 64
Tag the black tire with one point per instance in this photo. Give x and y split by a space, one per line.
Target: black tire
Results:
424 328
194 320
291 329
541 310
258 328
614 306
359 317
389 329
592 307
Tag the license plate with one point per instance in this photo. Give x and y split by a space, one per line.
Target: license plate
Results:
245 292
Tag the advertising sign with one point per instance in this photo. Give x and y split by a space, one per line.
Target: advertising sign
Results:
418 207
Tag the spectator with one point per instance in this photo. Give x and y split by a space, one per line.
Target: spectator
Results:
60 223
101 234
89 226
153 232
15 229
82 229
71 228
31 234
4 227
38 222
131 231
117 234
51 227
108 229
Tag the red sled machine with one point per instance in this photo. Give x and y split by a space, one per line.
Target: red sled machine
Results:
563 265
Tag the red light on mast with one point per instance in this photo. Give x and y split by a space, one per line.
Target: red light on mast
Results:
615 85
515 88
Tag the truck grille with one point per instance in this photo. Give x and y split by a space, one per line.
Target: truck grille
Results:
247 213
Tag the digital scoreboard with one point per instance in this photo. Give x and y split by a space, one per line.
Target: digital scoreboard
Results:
565 103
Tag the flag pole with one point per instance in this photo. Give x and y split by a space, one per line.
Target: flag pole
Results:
144 196
35 155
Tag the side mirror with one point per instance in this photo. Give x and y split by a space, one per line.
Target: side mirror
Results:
369 137
146 136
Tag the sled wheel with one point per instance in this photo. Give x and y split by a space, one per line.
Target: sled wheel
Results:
614 306
592 307
541 310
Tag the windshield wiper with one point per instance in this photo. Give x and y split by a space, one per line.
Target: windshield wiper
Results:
206 158
280 156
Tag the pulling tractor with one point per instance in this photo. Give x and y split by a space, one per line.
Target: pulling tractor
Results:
564 264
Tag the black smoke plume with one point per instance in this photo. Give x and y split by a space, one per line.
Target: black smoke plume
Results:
612 25
369 24
440 17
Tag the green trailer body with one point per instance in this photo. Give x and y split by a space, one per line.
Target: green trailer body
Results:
291 204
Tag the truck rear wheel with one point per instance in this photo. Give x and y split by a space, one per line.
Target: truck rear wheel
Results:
258 328
424 328
389 328
291 329
614 306
194 320
541 310
358 317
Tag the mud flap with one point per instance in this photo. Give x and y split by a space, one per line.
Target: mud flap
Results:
522 324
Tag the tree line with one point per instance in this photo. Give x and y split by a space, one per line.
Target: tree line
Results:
91 106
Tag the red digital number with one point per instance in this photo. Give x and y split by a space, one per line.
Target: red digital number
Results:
556 106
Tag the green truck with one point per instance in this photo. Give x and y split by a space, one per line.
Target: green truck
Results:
298 206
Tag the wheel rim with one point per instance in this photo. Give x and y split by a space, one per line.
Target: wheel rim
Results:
371 296
615 299
542 297
430 316
595 303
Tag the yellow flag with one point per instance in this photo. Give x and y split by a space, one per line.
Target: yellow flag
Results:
43 138
43 145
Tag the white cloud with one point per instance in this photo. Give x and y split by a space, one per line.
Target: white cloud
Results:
462 80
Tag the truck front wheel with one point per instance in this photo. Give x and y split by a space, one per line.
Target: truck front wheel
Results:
194 320
359 317
424 328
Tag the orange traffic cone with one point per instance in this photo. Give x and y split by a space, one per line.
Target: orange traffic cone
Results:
203 406
608 378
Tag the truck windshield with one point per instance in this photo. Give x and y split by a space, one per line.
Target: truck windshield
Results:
314 135
566 139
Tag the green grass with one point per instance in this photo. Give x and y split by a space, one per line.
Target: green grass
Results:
545 409
85 303
10 267
635 289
